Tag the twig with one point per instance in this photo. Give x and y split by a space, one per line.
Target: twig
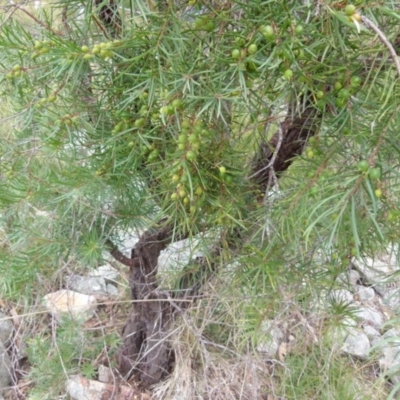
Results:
37 20
384 40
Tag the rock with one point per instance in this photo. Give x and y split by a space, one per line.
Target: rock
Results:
87 285
80 388
68 302
272 338
369 314
390 354
379 272
5 365
105 374
6 328
391 297
341 295
108 272
356 343
349 278
365 293
371 332
112 291
129 239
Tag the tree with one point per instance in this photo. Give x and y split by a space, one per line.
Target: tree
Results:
271 125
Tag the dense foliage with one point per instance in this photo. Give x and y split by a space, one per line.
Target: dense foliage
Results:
120 115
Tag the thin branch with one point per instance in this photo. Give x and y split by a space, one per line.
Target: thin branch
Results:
384 40
42 24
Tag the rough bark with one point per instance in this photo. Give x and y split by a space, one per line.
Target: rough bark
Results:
145 349
275 156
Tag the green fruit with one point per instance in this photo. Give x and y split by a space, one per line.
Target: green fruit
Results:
363 166
240 41
139 123
52 99
190 155
85 49
299 29
310 154
235 54
104 53
87 56
174 196
338 86
193 138
181 146
378 193
344 94
375 173
164 110
350 9
199 22
288 74
177 104
186 124
267 31
252 49
340 102
175 178
182 139
96 50
355 81
209 26
192 209
222 170
320 94
199 191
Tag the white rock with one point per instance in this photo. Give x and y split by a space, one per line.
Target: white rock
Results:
6 328
371 332
371 315
365 293
379 271
112 290
106 271
272 337
341 295
349 278
389 347
5 367
356 343
80 388
391 297
87 285
68 302
105 374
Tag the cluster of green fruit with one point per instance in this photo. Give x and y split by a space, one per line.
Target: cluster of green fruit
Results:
45 100
374 173
313 149
204 23
41 48
192 175
16 72
103 50
189 138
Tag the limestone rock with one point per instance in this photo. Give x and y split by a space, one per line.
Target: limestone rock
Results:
68 302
